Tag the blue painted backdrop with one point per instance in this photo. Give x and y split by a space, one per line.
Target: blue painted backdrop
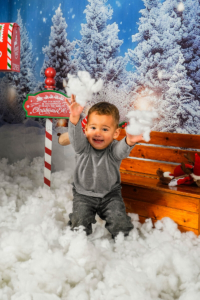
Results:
37 18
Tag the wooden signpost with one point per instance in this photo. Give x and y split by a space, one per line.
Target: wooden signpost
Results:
47 104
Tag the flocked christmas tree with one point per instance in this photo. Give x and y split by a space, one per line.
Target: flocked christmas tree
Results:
15 86
179 105
157 51
58 54
158 58
194 65
189 10
184 97
99 47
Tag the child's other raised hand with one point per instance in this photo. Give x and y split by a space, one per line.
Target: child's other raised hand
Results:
75 108
132 139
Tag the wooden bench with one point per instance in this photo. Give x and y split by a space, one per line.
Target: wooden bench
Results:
143 193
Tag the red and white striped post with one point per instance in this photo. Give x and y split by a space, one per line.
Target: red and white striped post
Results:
50 73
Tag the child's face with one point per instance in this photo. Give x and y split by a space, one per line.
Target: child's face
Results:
101 130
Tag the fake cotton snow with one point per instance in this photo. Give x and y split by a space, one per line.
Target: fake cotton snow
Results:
141 122
42 259
82 86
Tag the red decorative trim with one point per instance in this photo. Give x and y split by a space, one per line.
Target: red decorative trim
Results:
47 165
48 151
47 182
49 136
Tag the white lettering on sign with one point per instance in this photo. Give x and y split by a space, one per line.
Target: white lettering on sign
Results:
47 104
15 67
47 110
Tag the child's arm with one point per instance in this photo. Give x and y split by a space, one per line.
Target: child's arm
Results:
76 136
123 148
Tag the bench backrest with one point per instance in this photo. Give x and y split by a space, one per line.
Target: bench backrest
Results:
165 150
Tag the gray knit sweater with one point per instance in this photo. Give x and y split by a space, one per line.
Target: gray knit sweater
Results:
97 171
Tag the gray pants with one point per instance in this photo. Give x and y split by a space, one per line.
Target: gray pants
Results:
110 208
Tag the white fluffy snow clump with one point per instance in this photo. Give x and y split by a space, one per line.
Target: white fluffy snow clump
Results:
140 122
83 87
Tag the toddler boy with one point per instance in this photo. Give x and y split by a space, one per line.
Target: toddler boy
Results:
96 186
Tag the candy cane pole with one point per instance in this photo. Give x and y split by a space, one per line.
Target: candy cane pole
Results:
48 152
50 73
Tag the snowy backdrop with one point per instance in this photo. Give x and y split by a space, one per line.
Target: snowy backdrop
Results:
147 52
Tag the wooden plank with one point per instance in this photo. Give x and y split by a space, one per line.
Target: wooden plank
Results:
162 154
181 228
171 139
199 222
146 167
181 217
153 183
160 197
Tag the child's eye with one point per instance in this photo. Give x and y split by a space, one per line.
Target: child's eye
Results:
93 127
105 129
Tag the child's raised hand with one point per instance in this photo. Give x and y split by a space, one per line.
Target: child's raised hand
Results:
75 108
132 139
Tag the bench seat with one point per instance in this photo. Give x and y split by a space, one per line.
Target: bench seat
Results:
146 196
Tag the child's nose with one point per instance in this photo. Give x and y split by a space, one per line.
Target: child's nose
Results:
98 131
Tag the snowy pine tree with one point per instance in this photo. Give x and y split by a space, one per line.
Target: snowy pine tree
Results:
194 66
161 68
157 51
184 98
15 86
180 110
99 47
190 42
58 54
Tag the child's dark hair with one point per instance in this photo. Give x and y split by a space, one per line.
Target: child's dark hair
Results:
105 108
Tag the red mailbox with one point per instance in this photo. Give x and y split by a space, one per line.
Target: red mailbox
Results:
9 47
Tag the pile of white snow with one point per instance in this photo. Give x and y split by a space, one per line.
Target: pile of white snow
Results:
82 86
42 259
141 122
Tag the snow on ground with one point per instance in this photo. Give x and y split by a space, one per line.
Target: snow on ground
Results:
42 259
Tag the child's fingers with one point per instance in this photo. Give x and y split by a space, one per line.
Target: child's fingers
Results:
67 101
73 98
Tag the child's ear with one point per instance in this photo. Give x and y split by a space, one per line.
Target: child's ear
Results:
117 133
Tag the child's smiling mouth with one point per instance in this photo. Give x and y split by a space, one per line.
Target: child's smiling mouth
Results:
98 141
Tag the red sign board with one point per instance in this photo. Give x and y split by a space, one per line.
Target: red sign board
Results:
46 104
9 47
